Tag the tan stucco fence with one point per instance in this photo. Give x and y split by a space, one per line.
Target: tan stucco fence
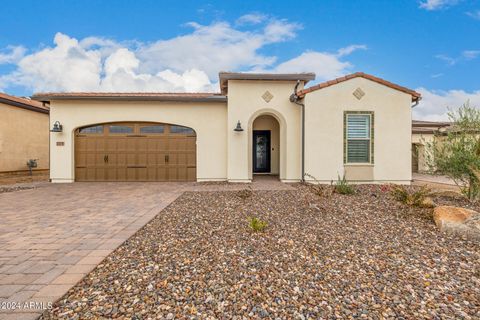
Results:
226 154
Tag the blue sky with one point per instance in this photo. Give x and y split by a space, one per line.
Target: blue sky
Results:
430 45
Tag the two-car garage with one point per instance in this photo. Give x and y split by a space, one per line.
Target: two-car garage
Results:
135 151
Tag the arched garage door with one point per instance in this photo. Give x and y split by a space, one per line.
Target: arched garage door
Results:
135 151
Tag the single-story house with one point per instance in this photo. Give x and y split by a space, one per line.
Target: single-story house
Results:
24 135
357 125
423 134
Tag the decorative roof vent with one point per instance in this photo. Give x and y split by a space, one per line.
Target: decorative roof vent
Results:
267 96
358 93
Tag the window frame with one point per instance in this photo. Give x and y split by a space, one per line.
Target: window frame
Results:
142 126
92 133
110 125
371 138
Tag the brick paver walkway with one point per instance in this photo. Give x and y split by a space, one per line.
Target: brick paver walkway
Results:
52 236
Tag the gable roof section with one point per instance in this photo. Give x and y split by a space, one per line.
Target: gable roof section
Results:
135 96
225 76
23 103
415 95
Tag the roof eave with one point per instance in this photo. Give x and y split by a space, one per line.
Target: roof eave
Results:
416 96
24 105
224 77
47 98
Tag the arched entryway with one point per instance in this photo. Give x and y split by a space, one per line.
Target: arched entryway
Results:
266 145
135 151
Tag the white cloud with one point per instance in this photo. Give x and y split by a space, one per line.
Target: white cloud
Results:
435 104
437 4
350 49
470 54
474 14
449 60
12 54
188 62
465 55
251 19
216 47
326 65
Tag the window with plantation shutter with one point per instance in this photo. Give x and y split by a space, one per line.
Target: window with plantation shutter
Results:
358 137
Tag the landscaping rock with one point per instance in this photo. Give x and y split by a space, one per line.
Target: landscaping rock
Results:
457 220
365 256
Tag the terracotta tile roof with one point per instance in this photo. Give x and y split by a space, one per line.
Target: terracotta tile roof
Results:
160 96
415 95
23 103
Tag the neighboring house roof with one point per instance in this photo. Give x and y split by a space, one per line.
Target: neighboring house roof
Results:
24 103
225 76
415 95
139 96
429 127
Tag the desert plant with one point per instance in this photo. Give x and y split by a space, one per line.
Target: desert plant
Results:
414 197
317 187
343 187
245 193
456 152
256 224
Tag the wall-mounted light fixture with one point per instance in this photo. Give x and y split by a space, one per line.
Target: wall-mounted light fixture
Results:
57 127
238 128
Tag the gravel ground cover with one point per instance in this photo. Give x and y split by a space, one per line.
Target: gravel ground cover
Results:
358 256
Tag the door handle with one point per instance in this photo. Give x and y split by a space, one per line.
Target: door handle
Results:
105 159
167 158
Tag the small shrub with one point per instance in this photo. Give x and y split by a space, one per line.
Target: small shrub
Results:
343 187
318 188
256 224
414 198
244 194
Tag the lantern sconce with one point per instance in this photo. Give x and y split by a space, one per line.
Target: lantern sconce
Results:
57 127
238 128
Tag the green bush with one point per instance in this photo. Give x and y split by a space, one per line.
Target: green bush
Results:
414 198
256 224
343 187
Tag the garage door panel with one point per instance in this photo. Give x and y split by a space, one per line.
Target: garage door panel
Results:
131 174
121 144
141 144
135 156
130 145
142 174
131 159
191 173
142 159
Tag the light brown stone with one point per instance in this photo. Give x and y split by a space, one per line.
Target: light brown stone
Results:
458 220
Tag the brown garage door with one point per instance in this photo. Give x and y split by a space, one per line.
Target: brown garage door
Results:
135 152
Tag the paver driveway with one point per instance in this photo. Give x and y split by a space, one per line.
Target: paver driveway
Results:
50 237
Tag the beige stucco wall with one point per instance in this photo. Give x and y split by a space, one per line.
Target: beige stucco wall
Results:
270 123
209 120
245 104
422 141
392 137
23 136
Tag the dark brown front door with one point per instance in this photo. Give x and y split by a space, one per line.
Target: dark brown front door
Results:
135 152
261 151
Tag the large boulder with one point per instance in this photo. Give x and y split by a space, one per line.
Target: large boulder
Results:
457 220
